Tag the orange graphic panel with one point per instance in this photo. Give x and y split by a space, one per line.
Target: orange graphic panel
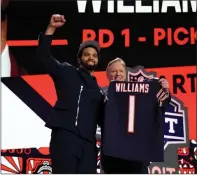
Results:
44 86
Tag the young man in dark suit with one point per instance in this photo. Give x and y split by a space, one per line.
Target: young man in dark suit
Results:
76 113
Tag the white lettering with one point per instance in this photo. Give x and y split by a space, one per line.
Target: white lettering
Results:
185 6
139 8
124 9
156 6
111 6
82 4
118 87
96 6
193 5
172 3
171 122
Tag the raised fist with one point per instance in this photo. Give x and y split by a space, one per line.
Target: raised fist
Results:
57 21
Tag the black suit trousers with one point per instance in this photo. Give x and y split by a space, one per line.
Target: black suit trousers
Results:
71 154
112 165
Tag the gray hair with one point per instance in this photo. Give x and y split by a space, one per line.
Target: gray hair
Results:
114 61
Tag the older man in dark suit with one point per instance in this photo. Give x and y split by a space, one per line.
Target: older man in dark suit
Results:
116 71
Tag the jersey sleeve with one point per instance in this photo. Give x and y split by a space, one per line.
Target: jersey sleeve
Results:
163 99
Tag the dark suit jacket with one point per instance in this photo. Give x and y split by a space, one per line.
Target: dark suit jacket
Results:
79 96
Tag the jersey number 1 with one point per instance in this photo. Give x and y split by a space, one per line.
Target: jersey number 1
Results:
131 114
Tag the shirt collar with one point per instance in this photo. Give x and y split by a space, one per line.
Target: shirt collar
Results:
85 72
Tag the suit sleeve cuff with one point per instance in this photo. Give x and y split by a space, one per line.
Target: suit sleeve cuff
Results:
45 39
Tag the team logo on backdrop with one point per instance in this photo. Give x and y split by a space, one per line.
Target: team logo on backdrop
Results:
38 166
175 125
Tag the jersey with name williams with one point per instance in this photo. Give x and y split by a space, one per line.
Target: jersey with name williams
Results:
133 122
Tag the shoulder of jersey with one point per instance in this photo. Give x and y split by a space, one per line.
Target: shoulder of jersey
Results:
151 79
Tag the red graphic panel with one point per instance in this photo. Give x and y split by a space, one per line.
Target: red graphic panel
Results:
38 166
185 167
11 164
44 86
